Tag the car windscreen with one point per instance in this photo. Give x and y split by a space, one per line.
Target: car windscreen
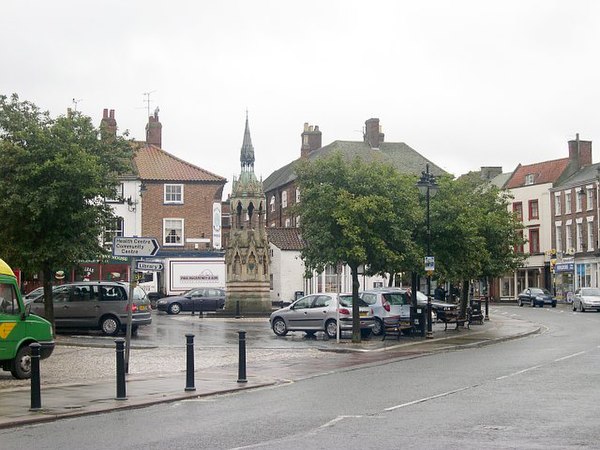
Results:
540 291
591 291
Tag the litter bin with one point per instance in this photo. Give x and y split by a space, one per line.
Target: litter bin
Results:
419 320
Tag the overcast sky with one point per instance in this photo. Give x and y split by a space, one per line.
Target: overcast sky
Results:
465 83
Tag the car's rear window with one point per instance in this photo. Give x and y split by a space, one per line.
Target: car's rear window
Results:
395 298
346 300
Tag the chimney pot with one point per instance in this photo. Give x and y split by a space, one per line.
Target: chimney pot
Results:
105 113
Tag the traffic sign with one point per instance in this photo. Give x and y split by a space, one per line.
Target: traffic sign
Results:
149 266
134 246
429 263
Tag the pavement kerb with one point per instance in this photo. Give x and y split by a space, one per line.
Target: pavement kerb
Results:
43 415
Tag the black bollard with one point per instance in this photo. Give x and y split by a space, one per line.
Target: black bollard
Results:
120 351
242 358
36 397
237 309
429 334
189 378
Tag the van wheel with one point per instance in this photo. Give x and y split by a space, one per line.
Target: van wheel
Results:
110 325
21 365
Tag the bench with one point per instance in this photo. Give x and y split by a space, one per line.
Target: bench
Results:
452 317
395 326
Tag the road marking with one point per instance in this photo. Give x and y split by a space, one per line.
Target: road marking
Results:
518 372
425 399
569 356
337 419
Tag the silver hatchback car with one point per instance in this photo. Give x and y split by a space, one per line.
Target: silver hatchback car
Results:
586 298
319 312
392 303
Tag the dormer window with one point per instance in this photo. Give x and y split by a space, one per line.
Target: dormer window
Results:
529 179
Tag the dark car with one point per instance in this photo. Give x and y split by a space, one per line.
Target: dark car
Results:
100 305
536 296
196 300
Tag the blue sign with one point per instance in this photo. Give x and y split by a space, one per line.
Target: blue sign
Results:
564 267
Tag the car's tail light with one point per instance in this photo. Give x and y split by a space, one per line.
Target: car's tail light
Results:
386 305
344 311
134 308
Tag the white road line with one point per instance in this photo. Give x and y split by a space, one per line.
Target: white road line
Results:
337 419
518 372
569 356
421 400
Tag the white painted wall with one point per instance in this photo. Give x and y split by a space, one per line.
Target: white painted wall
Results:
131 214
288 274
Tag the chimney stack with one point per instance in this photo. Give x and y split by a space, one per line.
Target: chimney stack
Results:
108 124
154 130
580 152
311 140
373 135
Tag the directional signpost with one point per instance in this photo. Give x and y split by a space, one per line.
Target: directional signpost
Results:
149 266
133 247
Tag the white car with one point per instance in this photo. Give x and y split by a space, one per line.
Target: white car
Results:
586 298
319 312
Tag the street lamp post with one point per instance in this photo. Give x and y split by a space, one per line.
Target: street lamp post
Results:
428 187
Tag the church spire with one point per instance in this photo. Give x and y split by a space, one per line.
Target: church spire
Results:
247 154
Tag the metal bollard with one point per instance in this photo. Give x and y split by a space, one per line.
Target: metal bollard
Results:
36 397
237 309
120 351
242 358
429 334
189 378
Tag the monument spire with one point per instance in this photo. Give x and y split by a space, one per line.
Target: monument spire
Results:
247 153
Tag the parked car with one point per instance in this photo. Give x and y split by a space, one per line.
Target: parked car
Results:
436 305
98 305
33 295
197 299
586 298
386 304
319 312
536 296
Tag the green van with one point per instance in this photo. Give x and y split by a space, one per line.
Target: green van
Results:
19 328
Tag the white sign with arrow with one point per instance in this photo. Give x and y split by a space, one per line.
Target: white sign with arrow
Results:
134 246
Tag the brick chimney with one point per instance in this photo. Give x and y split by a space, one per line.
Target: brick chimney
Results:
108 124
580 152
154 130
373 135
311 140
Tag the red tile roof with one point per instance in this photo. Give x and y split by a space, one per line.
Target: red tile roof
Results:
285 238
543 172
153 163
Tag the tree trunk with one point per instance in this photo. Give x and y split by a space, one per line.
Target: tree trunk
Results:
47 284
355 311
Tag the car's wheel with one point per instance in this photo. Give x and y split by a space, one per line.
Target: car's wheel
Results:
378 327
520 303
110 325
581 308
21 365
331 328
533 303
279 327
365 333
174 308
574 307
554 304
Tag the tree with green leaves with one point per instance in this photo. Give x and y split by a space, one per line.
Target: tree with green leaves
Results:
356 213
473 234
55 175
